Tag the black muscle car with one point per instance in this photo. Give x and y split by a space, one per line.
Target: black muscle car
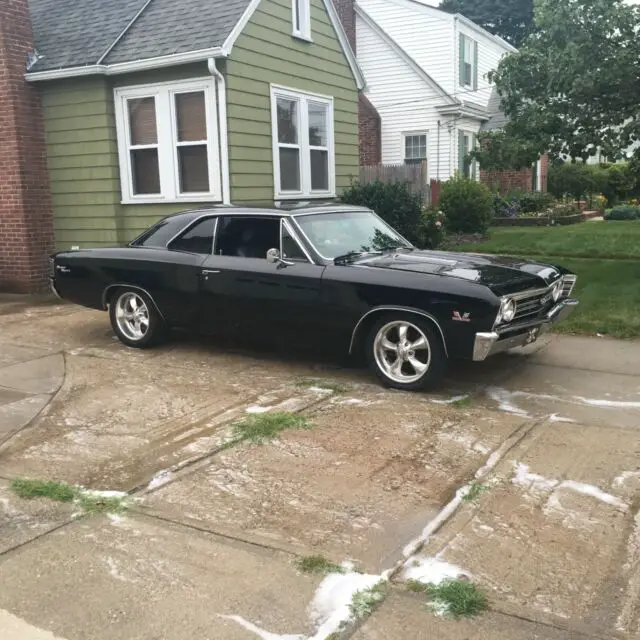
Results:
332 272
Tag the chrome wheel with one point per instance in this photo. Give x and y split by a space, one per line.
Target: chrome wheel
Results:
402 351
132 316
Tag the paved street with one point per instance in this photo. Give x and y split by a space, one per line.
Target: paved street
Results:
208 546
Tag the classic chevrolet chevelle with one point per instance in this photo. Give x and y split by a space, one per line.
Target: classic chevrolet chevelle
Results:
334 272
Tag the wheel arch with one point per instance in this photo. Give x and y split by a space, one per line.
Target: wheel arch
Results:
124 285
367 320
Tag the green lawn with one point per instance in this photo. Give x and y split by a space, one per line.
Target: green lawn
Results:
585 240
608 277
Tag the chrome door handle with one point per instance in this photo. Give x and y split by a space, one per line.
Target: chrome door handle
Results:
207 272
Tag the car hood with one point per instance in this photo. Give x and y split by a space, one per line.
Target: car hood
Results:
500 273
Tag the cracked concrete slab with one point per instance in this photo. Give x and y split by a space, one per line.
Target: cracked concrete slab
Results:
374 468
42 375
406 616
135 577
17 414
13 354
23 520
553 530
115 424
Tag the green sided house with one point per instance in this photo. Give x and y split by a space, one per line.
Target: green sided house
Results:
153 106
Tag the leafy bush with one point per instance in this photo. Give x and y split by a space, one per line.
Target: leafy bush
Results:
575 179
393 202
431 230
534 201
467 205
508 207
623 212
562 210
619 184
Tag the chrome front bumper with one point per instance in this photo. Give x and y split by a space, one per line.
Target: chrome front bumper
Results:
488 344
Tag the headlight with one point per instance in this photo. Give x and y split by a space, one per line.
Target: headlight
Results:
508 311
557 290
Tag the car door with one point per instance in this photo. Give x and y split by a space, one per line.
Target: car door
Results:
246 292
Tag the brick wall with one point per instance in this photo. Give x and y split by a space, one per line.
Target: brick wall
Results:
369 123
505 181
369 132
26 217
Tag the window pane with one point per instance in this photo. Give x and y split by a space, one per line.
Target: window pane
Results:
191 117
416 148
287 121
198 239
194 169
296 14
467 73
290 248
247 237
142 121
318 116
145 170
289 169
320 171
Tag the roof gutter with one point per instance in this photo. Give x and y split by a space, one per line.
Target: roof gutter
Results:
159 62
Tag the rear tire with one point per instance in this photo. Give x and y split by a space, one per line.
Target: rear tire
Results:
135 319
406 352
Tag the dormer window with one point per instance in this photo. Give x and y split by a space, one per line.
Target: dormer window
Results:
301 10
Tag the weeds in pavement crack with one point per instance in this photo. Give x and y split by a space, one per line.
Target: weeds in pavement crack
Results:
28 489
458 598
89 501
463 402
364 603
475 490
325 385
267 426
318 564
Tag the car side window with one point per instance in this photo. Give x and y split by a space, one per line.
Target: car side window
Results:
290 248
198 239
246 236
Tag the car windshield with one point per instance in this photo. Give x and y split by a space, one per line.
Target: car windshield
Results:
353 232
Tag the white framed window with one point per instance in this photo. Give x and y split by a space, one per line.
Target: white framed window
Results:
415 148
467 142
168 142
468 62
301 18
303 144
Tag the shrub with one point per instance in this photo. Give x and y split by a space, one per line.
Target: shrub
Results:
467 205
534 201
393 202
562 210
623 212
508 207
575 179
619 183
431 230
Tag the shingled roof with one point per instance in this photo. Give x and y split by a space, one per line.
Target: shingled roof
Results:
76 33
497 118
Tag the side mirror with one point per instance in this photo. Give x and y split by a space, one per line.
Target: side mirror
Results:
273 256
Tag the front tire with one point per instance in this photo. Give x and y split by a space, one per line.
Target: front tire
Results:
406 352
134 318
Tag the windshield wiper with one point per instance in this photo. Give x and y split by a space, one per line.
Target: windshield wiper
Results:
355 254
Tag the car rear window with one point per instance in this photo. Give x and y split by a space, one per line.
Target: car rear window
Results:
160 234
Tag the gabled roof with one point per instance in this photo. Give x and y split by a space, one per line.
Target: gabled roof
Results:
447 98
86 37
497 118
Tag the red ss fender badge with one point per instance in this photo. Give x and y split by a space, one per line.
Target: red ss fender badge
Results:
461 318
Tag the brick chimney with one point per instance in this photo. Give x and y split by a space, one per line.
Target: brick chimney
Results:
369 121
347 11
26 214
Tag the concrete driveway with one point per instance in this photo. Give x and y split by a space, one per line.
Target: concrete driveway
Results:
209 544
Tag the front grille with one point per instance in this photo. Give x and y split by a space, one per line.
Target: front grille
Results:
529 306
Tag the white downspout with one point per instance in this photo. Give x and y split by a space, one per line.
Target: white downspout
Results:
221 91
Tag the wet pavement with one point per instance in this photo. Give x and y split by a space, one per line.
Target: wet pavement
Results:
551 434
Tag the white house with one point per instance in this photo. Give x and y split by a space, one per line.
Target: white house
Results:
426 74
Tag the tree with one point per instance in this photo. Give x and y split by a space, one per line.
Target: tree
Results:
575 83
498 151
509 19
